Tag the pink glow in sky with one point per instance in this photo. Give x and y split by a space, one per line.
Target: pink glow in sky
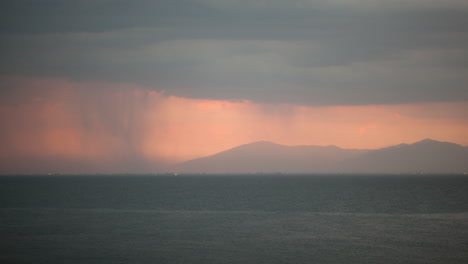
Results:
70 120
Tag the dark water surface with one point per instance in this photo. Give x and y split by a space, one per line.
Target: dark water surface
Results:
234 219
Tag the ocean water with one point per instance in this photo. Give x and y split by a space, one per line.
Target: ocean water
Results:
234 219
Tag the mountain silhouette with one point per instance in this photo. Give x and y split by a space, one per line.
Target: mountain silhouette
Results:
426 156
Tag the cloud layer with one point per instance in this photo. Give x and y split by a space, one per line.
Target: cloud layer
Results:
305 52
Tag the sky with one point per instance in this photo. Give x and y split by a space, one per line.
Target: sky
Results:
134 86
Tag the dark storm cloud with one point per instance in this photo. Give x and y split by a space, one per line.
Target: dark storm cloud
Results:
308 52
52 16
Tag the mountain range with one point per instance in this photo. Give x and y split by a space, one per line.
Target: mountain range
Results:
426 156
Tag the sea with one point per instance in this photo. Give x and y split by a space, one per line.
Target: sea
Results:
258 218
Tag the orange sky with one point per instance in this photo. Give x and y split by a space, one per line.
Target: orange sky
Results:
69 119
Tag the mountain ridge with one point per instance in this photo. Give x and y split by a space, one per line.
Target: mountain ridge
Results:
424 156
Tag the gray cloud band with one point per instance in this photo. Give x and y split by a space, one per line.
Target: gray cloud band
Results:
306 52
